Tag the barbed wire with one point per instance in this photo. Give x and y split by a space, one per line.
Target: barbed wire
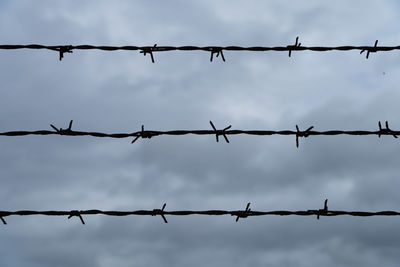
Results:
214 50
163 213
214 131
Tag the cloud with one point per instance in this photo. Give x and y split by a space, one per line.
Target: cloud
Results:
120 91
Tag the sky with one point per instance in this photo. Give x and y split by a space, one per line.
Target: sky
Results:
120 91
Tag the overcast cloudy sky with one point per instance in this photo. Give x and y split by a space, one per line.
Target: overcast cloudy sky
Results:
120 91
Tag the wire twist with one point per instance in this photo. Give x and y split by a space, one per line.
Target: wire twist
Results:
296 45
304 134
160 212
218 51
76 213
220 132
143 134
369 50
386 130
322 212
62 131
243 214
149 50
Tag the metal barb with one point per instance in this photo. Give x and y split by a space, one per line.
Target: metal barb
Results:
220 132
2 219
323 211
297 44
304 134
370 50
143 134
76 213
64 49
386 131
245 213
216 51
149 50
160 212
62 131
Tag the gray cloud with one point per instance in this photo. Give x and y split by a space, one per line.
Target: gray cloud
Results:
120 91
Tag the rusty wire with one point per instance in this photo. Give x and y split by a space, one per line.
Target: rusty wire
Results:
214 131
163 213
217 50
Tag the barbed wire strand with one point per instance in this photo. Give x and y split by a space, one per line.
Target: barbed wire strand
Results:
214 131
217 50
163 213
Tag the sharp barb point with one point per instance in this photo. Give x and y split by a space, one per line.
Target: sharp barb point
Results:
212 125
226 138
82 221
134 140
248 205
227 128
222 55
55 128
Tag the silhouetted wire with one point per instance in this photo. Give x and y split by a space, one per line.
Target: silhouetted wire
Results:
217 50
214 131
162 212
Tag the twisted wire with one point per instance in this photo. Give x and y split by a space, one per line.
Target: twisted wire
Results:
163 213
217 50
225 132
